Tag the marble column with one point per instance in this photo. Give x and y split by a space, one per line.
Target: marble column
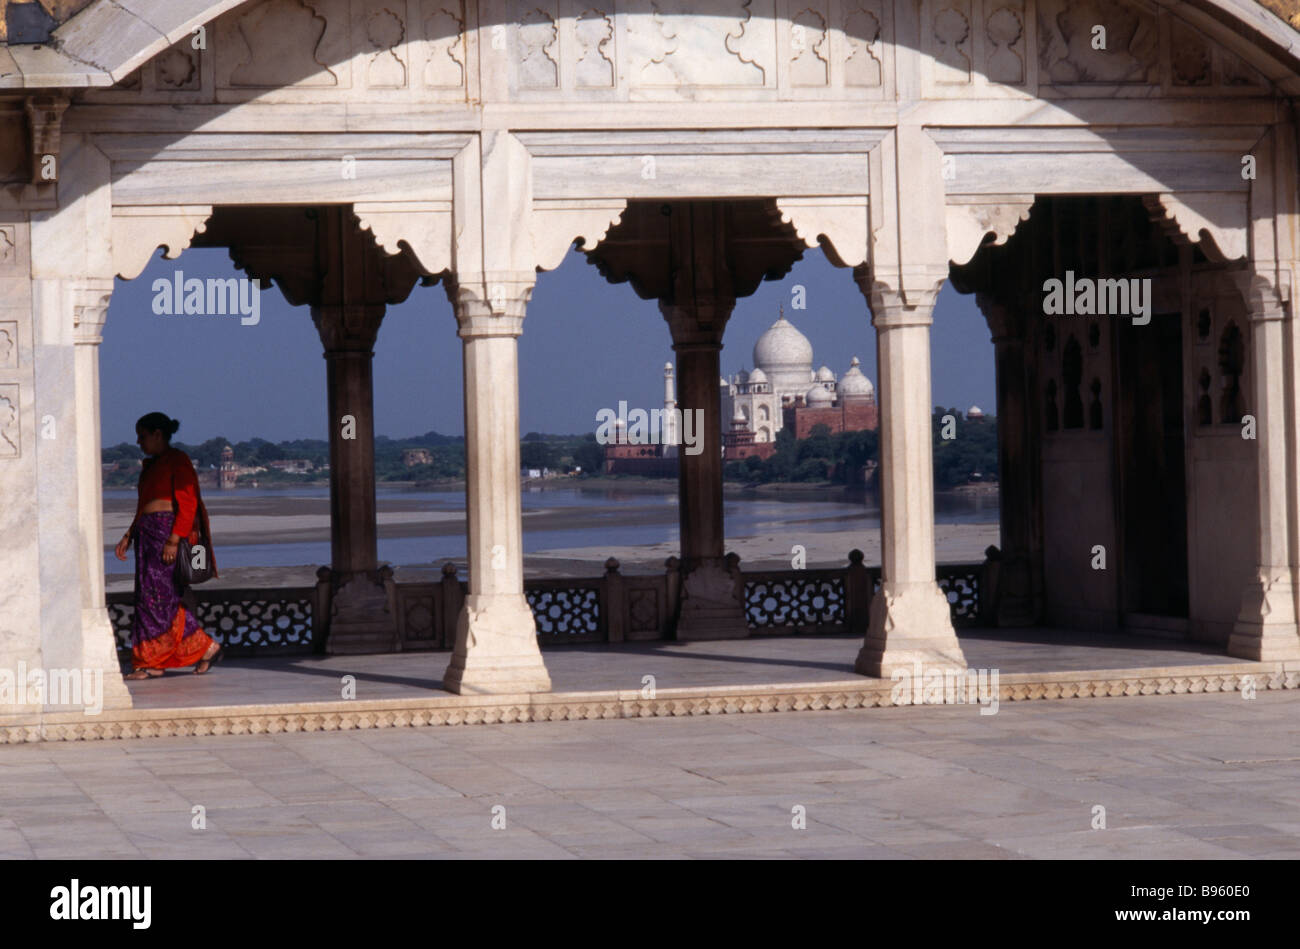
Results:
89 301
360 619
910 616
711 606
1019 601
496 647
1266 628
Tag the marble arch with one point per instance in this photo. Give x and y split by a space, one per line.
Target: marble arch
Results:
475 142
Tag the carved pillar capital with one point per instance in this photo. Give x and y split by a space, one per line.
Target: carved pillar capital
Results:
490 304
1006 323
348 328
699 324
1263 292
892 307
90 300
45 125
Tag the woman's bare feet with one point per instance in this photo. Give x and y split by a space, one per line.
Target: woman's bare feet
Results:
144 674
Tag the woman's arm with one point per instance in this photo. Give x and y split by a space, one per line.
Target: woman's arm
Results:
185 492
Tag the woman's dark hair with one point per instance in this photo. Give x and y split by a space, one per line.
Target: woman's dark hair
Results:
158 422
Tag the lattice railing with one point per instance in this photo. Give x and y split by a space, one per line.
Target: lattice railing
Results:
963 584
614 608
803 599
566 611
261 621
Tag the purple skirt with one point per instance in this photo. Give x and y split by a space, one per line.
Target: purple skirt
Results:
156 597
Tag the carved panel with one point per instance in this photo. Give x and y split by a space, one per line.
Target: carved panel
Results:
382 36
1005 49
734 47
1189 56
537 44
8 247
1068 38
593 32
8 344
443 22
809 48
277 43
177 68
951 41
861 24
10 437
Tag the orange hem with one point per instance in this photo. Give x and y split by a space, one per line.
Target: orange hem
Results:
173 649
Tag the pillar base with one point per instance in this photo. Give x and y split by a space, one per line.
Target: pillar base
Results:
910 623
361 619
101 653
711 606
1266 629
496 648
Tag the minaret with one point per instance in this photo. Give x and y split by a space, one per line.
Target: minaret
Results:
669 435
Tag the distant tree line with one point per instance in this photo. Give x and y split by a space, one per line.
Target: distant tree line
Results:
971 455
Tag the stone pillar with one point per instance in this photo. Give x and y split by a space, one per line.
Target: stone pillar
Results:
1266 628
710 608
496 637
910 617
89 301
1019 600
361 619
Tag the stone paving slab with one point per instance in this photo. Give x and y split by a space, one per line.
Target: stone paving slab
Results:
870 784
722 675
622 666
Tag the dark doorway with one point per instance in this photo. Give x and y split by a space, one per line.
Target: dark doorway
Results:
1152 475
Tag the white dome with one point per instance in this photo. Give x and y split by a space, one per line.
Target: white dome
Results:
758 375
818 396
782 348
824 374
974 412
853 384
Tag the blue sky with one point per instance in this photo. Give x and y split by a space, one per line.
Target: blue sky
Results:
587 344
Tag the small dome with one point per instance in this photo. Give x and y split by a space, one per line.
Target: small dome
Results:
783 347
738 415
742 377
758 375
824 374
818 396
854 385
974 412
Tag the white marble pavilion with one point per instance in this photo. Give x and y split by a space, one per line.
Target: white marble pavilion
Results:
348 149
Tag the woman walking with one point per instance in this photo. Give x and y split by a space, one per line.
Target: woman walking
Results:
164 634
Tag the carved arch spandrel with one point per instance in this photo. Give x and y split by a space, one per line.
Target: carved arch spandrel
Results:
1218 222
840 225
425 228
969 221
139 231
556 224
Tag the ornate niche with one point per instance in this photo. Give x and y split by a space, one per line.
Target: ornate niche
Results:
567 46
286 44
668 48
832 49
977 43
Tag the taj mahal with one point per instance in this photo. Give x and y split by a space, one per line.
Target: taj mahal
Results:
784 391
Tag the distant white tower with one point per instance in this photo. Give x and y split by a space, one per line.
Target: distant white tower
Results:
670 435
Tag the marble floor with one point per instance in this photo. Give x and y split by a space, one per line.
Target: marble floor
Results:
623 666
1182 776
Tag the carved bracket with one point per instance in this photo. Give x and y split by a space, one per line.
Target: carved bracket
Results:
840 225
970 220
425 228
556 224
45 126
139 231
1217 221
